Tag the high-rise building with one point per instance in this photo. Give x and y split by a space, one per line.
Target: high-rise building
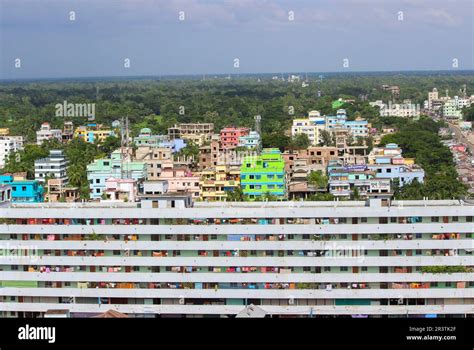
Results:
309 259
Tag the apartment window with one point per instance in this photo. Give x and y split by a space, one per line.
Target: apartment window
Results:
343 236
306 268
448 284
434 284
383 220
418 252
418 235
363 220
468 218
393 219
434 219
455 219
116 252
365 236
389 170
344 268
327 268
364 268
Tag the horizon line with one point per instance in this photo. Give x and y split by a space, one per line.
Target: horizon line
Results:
194 75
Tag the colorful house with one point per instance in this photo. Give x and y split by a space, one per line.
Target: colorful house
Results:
103 169
230 136
217 181
263 174
93 132
25 191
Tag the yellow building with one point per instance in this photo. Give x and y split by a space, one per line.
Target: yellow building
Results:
92 132
216 181
4 131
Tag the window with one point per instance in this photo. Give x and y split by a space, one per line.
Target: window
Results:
418 252
364 268
393 219
327 268
455 219
468 218
363 220
434 219
383 220
344 268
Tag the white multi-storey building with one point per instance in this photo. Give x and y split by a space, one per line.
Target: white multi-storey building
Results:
54 166
311 126
46 133
405 258
8 145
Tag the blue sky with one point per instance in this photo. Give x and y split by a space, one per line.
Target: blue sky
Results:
258 32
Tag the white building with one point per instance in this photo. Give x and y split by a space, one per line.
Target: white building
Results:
311 126
405 259
8 145
451 110
54 166
46 133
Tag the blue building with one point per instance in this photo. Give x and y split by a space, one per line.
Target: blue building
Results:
25 191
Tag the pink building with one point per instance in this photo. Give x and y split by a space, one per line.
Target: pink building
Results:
180 179
230 136
120 190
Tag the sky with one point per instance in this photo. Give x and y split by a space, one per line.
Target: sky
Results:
89 38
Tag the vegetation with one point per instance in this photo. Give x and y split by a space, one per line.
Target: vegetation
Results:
444 269
419 139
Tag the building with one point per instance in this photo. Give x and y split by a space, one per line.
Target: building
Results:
358 127
102 169
5 194
250 141
198 133
357 181
263 174
93 132
316 157
46 133
209 154
230 136
388 162
58 191
147 139
216 182
4 131
23 191
9 145
54 166
311 126
451 110
181 180
307 259
120 190
68 132
154 157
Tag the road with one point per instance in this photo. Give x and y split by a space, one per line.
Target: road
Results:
463 137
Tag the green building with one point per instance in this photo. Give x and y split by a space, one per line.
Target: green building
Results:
263 174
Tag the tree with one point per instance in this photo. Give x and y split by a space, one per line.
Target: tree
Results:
327 138
235 195
300 141
318 179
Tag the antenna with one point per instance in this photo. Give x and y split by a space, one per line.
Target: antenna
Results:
258 119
